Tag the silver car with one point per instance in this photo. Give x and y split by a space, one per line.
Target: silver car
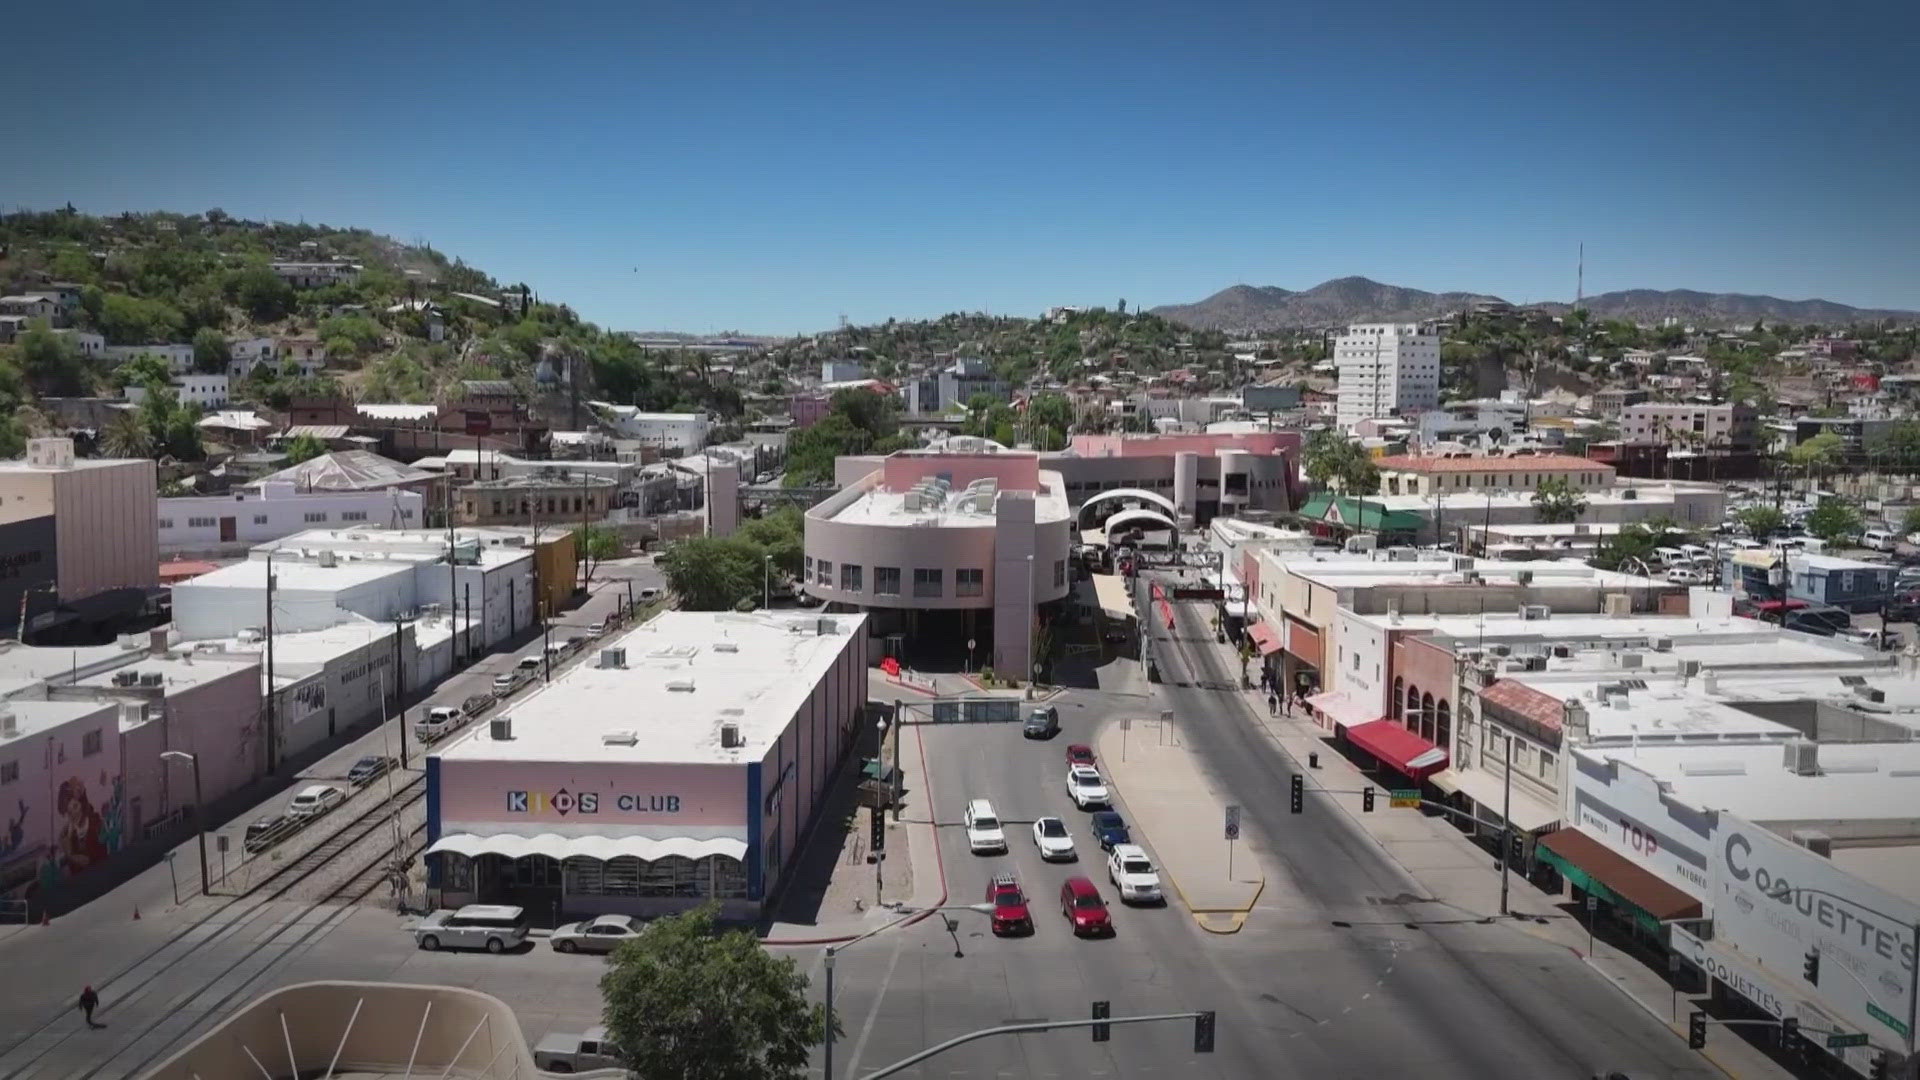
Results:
493 927
595 935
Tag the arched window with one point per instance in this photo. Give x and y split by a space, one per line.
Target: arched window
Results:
1426 717
1443 725
1413 708
1394 703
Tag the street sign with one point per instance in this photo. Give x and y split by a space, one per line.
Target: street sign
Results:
220 843
1409 797
479 423
1126 723
1841 1041
1887 1018
1233 822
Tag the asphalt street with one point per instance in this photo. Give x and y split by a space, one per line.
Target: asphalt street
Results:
165 977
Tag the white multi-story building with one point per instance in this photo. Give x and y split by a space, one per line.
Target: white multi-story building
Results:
245 354
315 275
1386 369
178 357
681 433
206 391
91 345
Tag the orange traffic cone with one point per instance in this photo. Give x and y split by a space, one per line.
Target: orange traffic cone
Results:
136 913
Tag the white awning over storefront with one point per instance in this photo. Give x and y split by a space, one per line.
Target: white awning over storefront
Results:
1530 813
604 848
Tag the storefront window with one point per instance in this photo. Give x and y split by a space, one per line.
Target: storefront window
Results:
456 872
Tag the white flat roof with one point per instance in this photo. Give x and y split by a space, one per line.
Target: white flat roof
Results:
292 574
751 669
1856 781
882 507
39 717
182 668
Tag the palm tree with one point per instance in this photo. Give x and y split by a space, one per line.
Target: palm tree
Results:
127 437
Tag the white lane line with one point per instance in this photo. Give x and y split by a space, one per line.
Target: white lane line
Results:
873 1013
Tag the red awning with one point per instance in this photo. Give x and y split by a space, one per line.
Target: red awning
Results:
1398 749
1264 638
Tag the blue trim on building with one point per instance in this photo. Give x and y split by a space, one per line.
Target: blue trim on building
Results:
755 887
433 818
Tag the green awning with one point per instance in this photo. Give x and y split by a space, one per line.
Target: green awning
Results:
1605 873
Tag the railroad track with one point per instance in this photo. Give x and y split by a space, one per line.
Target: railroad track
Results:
228 922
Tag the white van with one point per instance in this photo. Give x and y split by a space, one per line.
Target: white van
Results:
1879 539
493 927
439 721
1670 557
984 833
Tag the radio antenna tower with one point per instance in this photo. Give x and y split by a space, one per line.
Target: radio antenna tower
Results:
1580 277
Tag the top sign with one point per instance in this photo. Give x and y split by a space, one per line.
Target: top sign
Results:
479 423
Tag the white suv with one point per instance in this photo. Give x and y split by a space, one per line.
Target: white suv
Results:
1133 874
314 800
1086 788
984 833
493 927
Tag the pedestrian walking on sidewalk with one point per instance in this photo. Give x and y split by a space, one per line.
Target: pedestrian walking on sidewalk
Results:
88 1002
1273 705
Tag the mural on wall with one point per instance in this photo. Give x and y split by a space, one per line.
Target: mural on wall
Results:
84 835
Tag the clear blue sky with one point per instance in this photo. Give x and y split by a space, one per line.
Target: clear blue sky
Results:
720 165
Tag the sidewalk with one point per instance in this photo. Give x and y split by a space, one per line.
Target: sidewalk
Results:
843 907
1155 780
1455 871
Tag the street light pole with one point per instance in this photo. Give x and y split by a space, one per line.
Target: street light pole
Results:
766 582
199 813
826 1069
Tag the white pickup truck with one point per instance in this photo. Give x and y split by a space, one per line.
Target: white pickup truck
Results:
565 1053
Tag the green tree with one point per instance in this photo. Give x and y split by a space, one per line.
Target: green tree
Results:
778 534
1332 460
595 544
127 436
52 363
1556 501
712 573
304 447
1834 519
263 293
1761 521
684 1001
211 353
1818 454
132 320
1633 542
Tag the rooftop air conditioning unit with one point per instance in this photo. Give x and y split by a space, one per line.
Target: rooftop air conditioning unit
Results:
328 558
680 686
1689 668
1632 660
1815 841
500 729
126 678
730 736
1871 693
1536 663
1524 577
726 646
1663 644
152 678
911 500
613 657
9 723
1803 758
1535 611
1463 562
619 738
1619 605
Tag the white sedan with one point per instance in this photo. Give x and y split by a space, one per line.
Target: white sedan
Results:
1050 835
1133 874
594 935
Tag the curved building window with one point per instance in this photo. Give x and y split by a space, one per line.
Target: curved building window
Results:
826 572
969 581
886 580
850 575
929 582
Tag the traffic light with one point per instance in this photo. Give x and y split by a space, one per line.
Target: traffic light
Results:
1203 1033
1366 799
1696 1030
876 829
1299 793
1102 1010
1517 853
1789 1032
1810 970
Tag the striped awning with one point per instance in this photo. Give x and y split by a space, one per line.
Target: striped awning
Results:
592 847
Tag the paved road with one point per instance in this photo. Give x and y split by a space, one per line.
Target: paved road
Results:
231 956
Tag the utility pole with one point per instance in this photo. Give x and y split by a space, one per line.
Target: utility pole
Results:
273 725
1506 825
400 687
453 589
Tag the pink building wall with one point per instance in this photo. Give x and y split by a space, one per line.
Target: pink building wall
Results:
219 722
613 798
63 816
1015 472
1252 442
807 409
795 772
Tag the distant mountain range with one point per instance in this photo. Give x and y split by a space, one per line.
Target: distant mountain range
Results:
1358 299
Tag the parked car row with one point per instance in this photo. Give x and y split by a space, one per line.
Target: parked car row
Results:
443 720
308 805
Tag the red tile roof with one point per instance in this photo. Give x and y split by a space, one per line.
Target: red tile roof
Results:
1541 708
1533 463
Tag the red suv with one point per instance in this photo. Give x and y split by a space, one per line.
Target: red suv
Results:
1079 754
1080 902
1010 914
